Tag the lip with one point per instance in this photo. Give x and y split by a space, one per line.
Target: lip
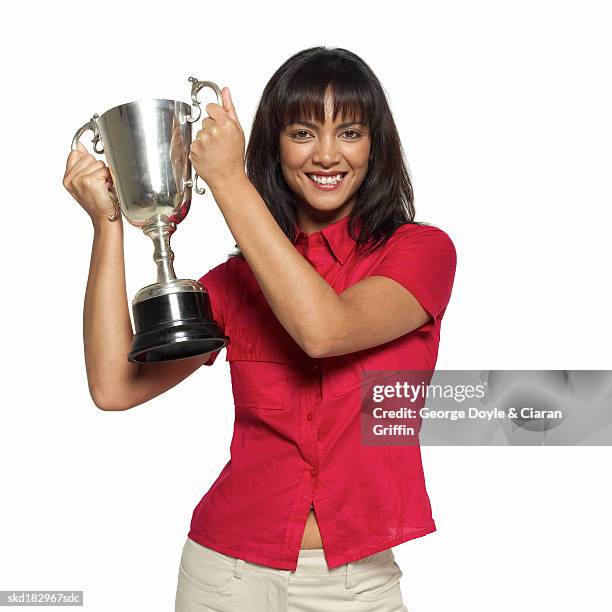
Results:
326 187
328 173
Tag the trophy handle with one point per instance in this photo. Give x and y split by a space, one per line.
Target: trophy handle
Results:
192 118
195 88
92 125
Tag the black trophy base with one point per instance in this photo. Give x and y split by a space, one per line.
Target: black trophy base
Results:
174 326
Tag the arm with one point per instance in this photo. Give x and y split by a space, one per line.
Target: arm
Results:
320 321
114 382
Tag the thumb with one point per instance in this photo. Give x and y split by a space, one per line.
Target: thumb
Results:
75 155
228 105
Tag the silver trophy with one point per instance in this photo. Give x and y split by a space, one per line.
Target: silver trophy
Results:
147 145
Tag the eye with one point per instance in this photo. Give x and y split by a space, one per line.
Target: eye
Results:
352 134
300 135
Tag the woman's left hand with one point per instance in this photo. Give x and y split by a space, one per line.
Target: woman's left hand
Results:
217 153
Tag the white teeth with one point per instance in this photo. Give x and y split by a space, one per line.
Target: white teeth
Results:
326 180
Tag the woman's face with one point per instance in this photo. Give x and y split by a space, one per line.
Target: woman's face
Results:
312 155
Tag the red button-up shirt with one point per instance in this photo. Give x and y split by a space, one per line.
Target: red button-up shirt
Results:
296 438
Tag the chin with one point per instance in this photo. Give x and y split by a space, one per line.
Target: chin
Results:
325 210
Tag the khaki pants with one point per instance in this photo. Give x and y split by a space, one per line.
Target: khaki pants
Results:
210 581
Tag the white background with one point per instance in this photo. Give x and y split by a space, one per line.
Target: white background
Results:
504 114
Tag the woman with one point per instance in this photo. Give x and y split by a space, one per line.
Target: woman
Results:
332 279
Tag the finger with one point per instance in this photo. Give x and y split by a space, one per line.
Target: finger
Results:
74 156
80 165
95 167
99 173
207 122
228 104
75 179
216 111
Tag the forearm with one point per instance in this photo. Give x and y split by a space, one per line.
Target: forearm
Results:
304 303
107 329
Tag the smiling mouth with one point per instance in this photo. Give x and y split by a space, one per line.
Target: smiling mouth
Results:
326 180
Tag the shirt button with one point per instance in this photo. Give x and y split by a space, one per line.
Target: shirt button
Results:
309 416
315 367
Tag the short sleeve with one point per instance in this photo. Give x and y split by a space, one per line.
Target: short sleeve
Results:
214 283
422 259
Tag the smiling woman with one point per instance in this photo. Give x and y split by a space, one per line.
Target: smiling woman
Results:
333 278
324 113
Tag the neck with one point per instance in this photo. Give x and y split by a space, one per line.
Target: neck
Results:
312 220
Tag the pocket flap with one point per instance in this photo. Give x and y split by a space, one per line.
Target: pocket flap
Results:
256 345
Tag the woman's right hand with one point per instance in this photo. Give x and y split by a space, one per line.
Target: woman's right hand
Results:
88 180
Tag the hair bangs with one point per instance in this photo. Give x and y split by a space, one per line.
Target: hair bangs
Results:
305 98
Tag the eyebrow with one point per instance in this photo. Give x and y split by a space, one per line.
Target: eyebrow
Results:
342 125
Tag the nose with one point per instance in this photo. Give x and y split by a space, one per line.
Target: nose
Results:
326 152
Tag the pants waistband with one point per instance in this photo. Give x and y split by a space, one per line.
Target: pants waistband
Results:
311 562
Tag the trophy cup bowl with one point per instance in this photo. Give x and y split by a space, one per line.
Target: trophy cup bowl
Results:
147 144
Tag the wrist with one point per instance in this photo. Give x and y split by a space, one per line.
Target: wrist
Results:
230 184
101 223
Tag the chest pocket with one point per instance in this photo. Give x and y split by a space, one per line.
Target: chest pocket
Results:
259 368
345 373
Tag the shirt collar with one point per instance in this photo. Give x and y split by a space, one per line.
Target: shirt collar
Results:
336 235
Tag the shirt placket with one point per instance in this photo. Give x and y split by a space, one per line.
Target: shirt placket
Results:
316 252
309 405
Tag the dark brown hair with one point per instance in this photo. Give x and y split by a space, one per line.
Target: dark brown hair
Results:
296 91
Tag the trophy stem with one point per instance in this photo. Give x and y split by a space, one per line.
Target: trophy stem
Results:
159 229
